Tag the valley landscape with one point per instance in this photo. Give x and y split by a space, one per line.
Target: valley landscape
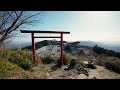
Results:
48 54
86 47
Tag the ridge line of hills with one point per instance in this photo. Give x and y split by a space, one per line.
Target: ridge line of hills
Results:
76 49
112 46
82 43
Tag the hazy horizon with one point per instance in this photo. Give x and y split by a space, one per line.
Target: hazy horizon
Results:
99 26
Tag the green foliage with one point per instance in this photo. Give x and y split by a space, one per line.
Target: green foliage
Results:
67 49
100 50
5 54
13 64
43 43
81 58
55 67
38 45
40 67
111 63
8 69
101 59
47 59
65 61
21 57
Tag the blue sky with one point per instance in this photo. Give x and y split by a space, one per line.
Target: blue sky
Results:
103 26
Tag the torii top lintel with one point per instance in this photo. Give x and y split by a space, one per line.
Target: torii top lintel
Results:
34 31
54 32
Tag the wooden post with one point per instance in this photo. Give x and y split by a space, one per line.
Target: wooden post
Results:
61 48
33 42
33 48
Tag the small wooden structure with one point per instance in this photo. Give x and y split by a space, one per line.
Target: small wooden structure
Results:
48 32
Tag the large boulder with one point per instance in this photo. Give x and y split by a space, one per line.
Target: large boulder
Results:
72 64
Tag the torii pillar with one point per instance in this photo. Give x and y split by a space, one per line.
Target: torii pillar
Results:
48 32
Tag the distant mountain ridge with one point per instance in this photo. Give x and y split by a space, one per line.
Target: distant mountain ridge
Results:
44 43
100 44
112 46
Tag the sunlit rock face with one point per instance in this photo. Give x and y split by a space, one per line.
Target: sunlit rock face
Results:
53 50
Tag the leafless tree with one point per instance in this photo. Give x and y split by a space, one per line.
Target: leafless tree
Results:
11 21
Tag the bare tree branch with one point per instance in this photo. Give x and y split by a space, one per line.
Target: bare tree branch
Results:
11 21
5 20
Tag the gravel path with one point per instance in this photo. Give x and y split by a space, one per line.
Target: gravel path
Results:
99 73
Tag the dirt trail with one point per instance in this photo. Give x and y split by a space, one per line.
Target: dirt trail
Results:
99 73
102 73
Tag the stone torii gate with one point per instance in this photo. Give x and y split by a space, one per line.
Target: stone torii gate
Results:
48 32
